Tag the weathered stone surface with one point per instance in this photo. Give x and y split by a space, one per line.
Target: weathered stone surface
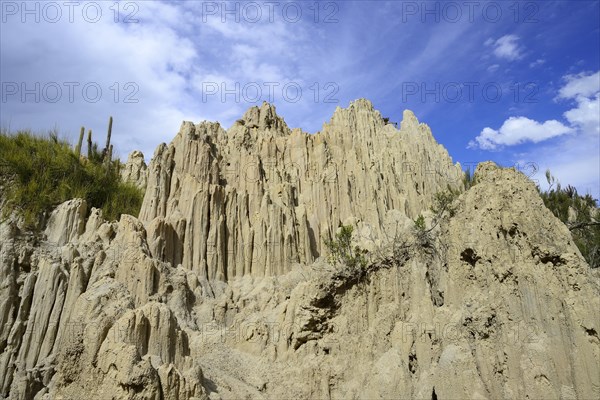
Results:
67 308
135 170
221 289
259 197
505 307
67 222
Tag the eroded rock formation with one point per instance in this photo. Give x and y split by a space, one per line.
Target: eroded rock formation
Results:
135 170
257 198
221 288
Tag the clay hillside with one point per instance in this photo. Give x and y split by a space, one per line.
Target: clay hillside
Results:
269 263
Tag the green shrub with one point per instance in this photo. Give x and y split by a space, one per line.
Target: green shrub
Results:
585 220
38 173
420 223
342 252
423 236
442 202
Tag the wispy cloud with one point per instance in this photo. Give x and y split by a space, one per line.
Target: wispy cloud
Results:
128 69
507 47
537 63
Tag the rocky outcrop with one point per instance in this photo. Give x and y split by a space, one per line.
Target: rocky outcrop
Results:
135 170
221 289
84 303
67 222
260 197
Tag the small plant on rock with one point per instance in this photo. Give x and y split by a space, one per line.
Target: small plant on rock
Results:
422 234
420 223
443 202
342 252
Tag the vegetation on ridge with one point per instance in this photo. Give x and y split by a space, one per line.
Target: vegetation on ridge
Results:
580 215
37 173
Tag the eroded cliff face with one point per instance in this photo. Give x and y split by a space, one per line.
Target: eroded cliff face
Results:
221 288
258 198
82 315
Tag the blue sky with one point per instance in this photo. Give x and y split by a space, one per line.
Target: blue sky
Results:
516 82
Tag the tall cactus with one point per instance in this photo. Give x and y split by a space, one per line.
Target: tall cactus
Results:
109 158
89 143
106 148
79 143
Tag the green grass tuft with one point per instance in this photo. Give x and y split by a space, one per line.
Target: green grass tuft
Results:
37 173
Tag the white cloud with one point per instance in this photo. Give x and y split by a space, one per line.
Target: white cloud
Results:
493 68
583 119
517 130
506 47
146 63
581 84
168 54
586 116
575 158
537 63
584 89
